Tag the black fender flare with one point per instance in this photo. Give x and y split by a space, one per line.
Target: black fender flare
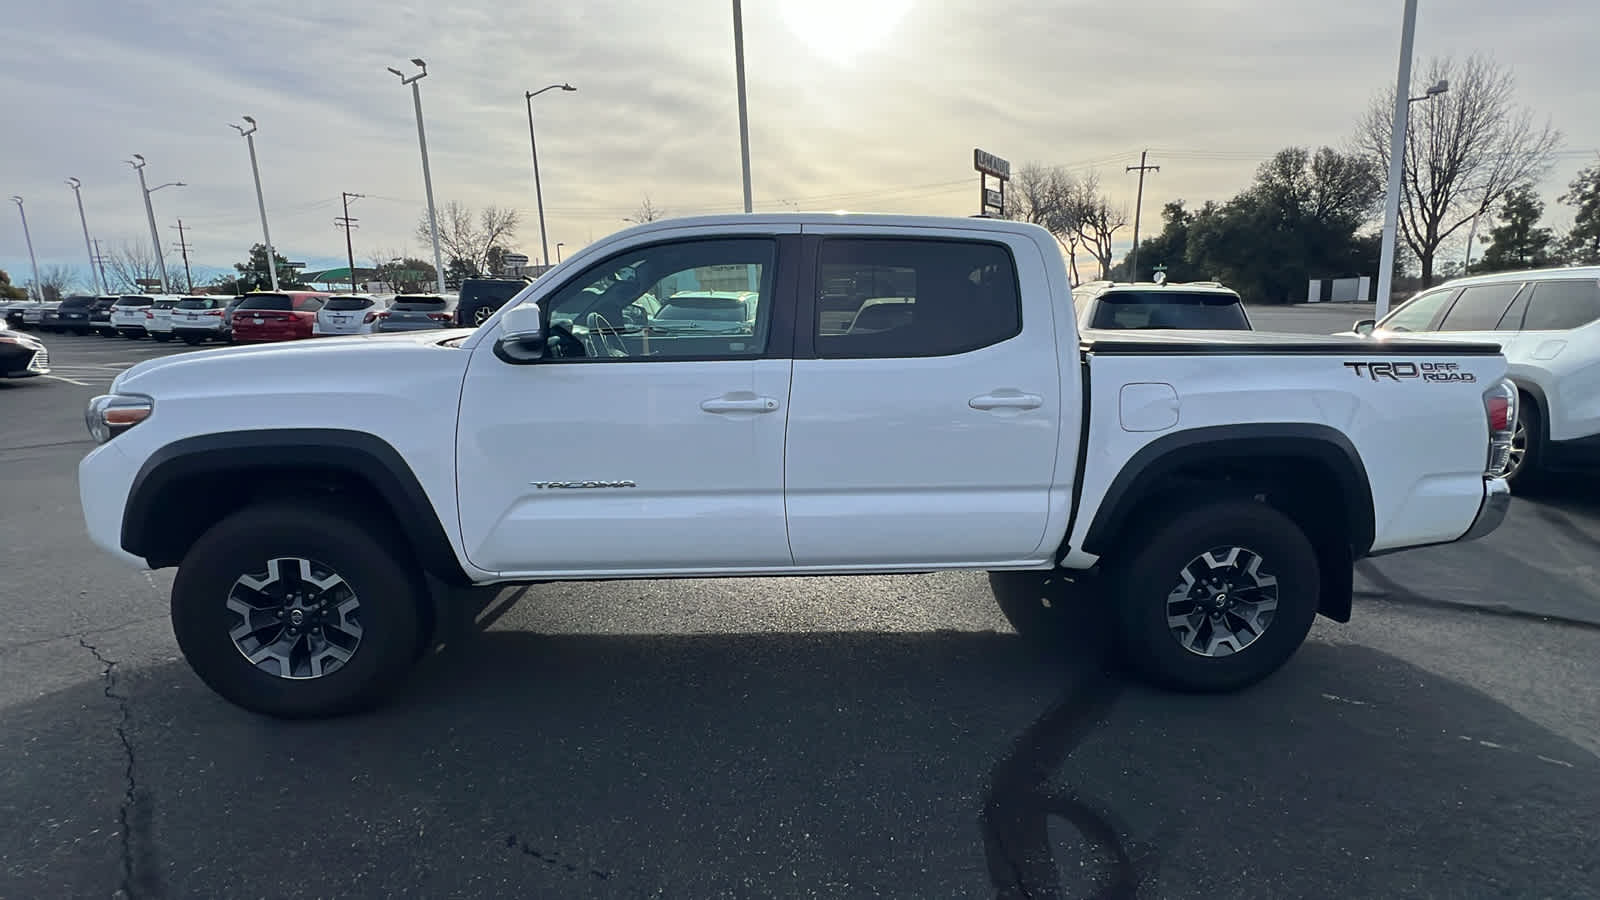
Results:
358 455
1169 454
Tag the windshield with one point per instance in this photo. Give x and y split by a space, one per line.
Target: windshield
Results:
77 302
197 303
1199 310
164 304
134 301
501 291
267 301
703 310
345 304
419 304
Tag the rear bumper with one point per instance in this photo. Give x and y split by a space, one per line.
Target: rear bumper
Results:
1492 511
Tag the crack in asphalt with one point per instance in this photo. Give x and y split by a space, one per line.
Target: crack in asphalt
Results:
130 790
1394 592
1015 817
551 858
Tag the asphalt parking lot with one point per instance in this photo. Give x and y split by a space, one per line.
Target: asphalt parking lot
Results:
801 737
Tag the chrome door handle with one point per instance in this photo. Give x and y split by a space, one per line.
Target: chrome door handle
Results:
739 404
1006 400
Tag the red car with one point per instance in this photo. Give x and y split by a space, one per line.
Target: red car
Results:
283 316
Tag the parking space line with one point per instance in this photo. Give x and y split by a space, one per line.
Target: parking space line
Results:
70 380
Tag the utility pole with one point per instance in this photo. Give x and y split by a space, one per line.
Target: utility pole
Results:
348 223
744 117
1138 207
183 248
100 261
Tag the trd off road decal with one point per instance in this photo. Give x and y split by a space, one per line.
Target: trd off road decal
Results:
1398 371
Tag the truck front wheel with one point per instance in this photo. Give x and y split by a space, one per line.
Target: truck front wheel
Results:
1215 597
298 610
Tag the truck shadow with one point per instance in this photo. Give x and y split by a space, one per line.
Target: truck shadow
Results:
827 764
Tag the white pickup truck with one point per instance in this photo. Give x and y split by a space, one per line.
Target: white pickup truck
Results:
911 395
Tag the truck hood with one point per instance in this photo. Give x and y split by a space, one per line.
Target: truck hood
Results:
335 361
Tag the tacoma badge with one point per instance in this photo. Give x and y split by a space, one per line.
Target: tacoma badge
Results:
582 484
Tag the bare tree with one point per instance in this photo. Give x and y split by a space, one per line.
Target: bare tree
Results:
1046 196
1464 151
647 212
1097 220
127 263
469 237
56 281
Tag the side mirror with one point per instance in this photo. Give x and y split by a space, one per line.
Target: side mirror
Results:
522 338
1364 327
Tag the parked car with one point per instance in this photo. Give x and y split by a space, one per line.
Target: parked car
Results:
282 316
22 355
480 297
706 312
228 309
11 313
71 315
33 316
158 318
1547 322
100 316
127 315
349 314
416 312
196 320
1204 306
1220 485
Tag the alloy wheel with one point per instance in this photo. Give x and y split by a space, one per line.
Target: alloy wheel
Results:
299 619
1223 601
481 315
1519 448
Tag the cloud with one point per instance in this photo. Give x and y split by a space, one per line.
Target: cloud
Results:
880 118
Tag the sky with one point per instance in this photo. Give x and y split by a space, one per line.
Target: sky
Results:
871 105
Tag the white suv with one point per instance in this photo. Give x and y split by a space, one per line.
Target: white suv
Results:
1197 305
1547 323
349 314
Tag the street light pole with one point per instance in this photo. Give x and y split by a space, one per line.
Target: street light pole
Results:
37 287
427 176
538 192
559 245
1397 148
744 118
75 184
261 204
138 164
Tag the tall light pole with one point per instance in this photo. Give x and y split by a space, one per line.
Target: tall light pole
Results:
538 193
37 287
559 245
427 177
744 118
75 184
1397 148
261 204
138 164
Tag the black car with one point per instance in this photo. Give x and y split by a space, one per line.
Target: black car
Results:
22 355
480 297
100 316
72 315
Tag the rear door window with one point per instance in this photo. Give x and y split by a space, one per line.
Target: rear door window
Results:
1562 305
267 301
347 304
1480 307
889 297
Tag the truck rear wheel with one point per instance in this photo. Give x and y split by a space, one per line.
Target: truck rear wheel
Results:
296 610
1217 597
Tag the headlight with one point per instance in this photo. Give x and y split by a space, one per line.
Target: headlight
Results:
108 415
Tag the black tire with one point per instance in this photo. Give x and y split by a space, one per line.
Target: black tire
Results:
1143 581
132 335
1046 609
373 564
193 340
1530 435
162 338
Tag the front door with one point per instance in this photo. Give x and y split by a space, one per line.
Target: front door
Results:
924 427
636 445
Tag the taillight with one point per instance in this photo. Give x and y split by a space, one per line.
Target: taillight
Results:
439 317
149 315
213 312
1500 409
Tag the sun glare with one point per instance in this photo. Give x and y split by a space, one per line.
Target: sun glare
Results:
843 30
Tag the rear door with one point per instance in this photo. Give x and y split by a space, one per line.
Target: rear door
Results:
929 434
